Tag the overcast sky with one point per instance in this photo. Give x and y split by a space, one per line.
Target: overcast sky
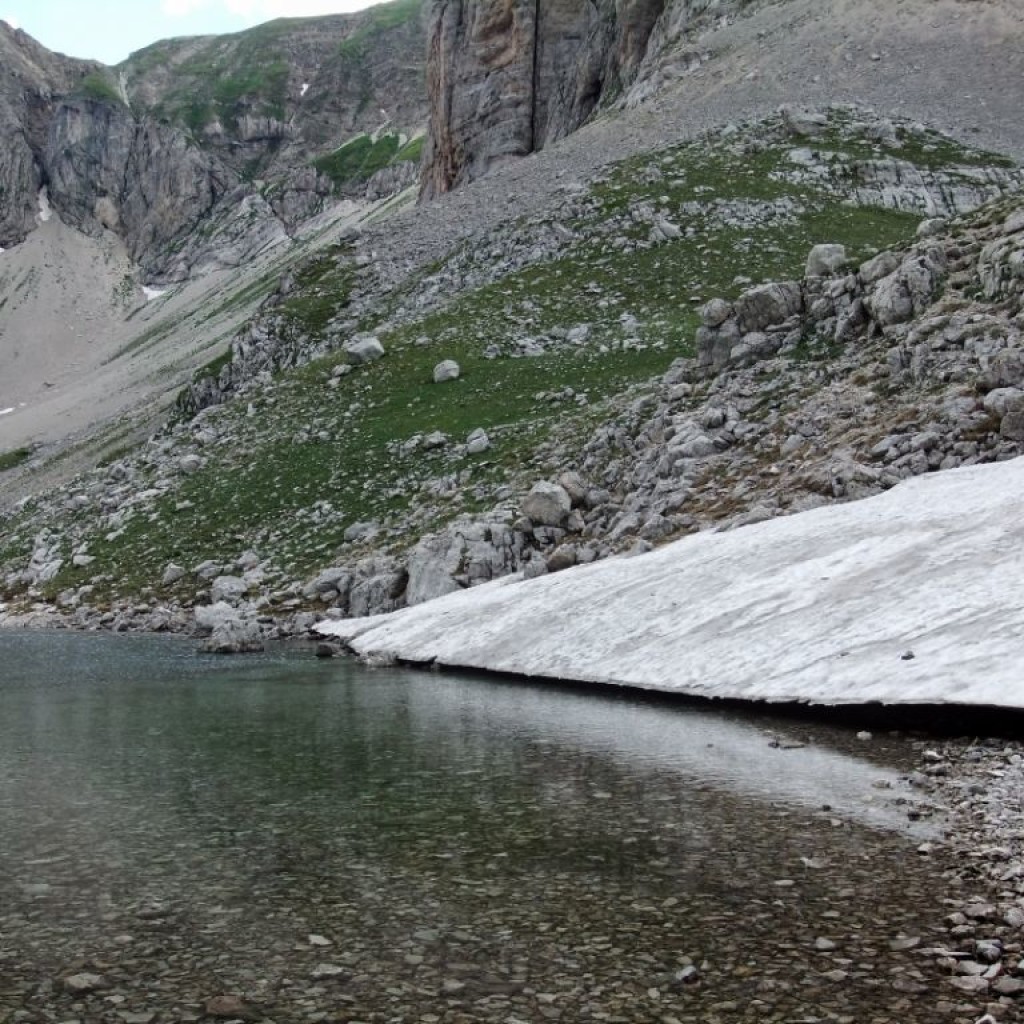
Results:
110 31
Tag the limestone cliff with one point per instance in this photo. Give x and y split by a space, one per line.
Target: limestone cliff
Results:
239 138
507 77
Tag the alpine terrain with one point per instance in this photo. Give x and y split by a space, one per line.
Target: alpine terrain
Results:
343 314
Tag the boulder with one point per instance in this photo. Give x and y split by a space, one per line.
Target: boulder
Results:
824 260
433 565
547 504
363 350
172 574
229 631
1012 424
377 594
715 313
478 442
361 532
908 291
332 580
803 122
877 267
447 370
84 983
563 557
768 305
228 588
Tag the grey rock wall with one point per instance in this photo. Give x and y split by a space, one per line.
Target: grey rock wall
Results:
507 77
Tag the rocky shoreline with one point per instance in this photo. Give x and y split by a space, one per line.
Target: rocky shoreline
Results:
981 782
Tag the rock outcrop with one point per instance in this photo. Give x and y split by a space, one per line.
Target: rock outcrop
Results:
507 77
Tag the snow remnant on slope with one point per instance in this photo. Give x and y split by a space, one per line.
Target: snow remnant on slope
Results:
913 596
45 210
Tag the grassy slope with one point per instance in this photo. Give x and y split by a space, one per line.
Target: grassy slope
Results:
315 459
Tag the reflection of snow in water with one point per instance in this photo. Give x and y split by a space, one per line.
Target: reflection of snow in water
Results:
45 212
305 88
153 293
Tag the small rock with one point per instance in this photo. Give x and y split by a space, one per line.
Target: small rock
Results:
322 971
478 442
229 1008
84 983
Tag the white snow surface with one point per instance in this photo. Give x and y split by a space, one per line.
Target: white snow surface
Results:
153 293
45 210
305 89
822 607
6 412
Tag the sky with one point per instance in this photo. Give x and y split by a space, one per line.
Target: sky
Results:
110 31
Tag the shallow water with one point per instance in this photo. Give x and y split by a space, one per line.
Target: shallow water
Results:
328 842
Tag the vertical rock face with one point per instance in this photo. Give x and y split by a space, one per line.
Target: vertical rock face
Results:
141 179
507 77
31 77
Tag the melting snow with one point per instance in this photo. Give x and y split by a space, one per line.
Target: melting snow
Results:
914 596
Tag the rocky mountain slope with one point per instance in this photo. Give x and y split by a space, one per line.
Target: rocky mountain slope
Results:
246 136
612 343
828 385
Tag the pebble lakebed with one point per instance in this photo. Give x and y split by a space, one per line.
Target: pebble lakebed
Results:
620 916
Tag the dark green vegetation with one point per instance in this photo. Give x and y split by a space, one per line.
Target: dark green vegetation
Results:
98 86
361 158
321 291
13 459
323 449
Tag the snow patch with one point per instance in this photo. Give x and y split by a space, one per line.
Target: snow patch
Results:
913 596
305 88
45 210
153 293
6 412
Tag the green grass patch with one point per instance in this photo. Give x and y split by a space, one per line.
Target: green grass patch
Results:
13 459
411 152
98 86
359 159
